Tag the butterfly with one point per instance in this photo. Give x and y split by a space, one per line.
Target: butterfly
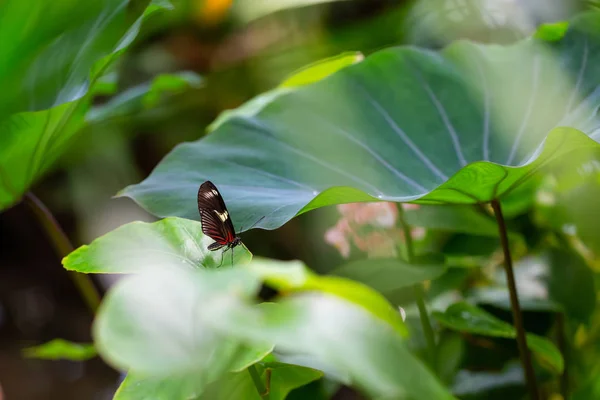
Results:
216 222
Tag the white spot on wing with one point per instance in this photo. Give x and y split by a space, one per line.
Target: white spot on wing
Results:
222 216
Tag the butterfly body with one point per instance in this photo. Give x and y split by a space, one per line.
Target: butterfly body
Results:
216 221
216 245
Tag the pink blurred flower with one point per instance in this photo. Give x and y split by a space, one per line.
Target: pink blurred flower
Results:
371 227
337 237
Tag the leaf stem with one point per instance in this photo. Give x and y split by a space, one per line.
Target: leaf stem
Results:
418 291
63 247
514 304
562 346
262 390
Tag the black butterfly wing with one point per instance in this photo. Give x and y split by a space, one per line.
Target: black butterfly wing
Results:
214 216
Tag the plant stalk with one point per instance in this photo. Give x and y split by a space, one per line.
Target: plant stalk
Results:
262 390
418 292
63 247
514 304
562 346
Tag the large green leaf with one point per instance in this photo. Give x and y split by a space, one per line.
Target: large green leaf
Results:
141 246
340 335
465 125
148 323
465 317
171 325
48 60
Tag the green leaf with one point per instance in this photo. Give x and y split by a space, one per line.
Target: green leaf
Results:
148 323
295 277
339 334
282 379
140 246
143 96
321 69
465 317
387 275
552 32
48 61
139 387
460 219
463 126
170 325
450 352
58 349
569 274
30 142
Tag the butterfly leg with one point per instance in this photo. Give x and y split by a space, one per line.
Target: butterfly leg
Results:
222 255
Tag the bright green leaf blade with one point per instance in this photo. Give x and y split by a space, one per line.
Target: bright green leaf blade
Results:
295 277
60 349
321 69
465 125
141 246
465 317
552 31
251 356
138 387
48 60
149 323
30 142
387 275
283 379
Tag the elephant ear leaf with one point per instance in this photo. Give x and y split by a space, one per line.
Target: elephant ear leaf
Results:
464 125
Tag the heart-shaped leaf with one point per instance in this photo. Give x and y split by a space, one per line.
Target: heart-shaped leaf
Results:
48 60
465 317
141 246
465 125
